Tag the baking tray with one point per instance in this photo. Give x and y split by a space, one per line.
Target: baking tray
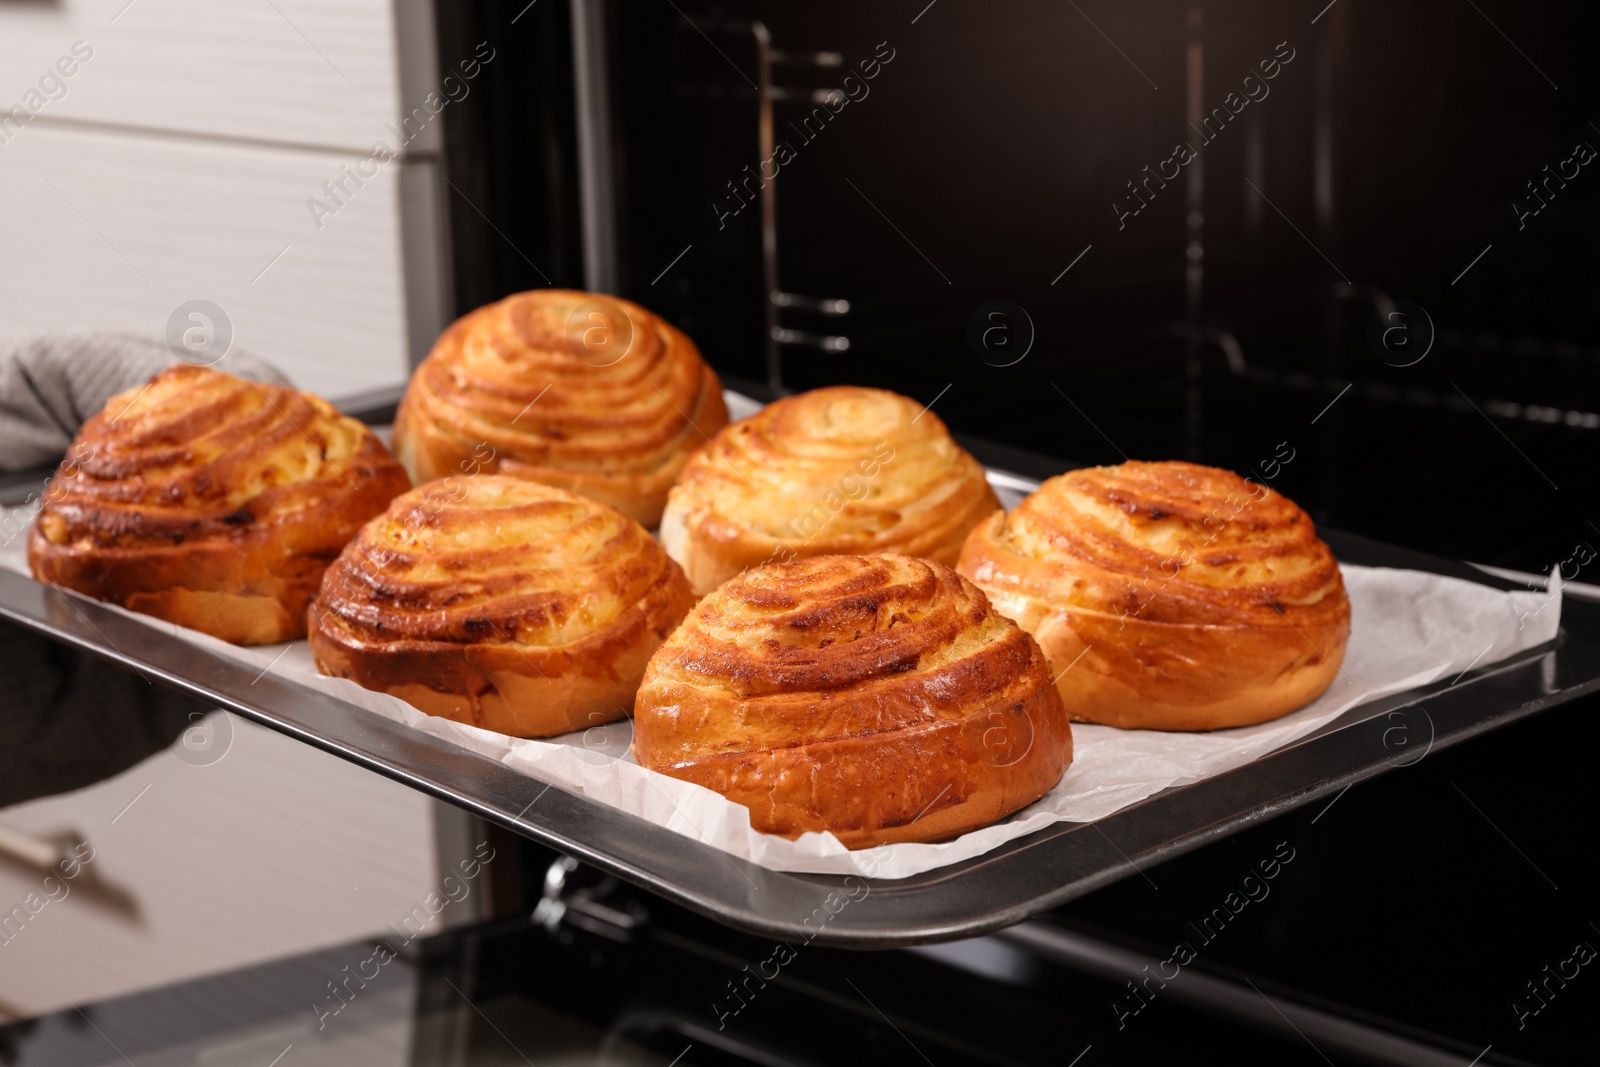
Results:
1014 882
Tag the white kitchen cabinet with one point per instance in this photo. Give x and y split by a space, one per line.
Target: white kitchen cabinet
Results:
324 73
110 229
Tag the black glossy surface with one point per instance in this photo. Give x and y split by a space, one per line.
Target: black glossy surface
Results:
1389 153
1429 895
508 993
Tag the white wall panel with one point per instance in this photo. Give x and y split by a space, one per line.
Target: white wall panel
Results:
176 164
315 72
111 230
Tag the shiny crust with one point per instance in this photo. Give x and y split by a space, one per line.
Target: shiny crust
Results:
500 603
528 387
1195 599
839 470
878 697
211 502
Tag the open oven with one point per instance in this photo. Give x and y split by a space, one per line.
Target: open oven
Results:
1342 249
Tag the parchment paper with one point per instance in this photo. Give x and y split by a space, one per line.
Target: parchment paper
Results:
1408 628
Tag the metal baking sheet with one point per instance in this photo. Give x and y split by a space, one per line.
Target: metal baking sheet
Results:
1018 880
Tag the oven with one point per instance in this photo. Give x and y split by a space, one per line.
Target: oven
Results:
1343 247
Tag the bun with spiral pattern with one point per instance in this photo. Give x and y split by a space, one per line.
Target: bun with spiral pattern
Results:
837 470
1168 596
584 392
879 698
211 502
500 603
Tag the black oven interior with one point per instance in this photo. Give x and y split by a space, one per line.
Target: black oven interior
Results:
1238 232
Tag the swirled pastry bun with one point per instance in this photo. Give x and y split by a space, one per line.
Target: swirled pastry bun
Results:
838 470
1168 596
499 603
211 502
879 698
588 393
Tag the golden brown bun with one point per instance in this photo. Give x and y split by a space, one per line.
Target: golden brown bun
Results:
878 697
839 470
211 502
1195 598
585 392
500 603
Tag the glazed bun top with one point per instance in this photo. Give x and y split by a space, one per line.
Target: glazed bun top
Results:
1164 542
586 392
879 698
824 649
492 560
842 470
197 454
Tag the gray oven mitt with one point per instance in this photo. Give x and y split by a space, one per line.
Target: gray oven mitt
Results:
68 719
51 384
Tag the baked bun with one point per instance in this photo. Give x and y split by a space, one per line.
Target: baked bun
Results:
876 697
584 392
838 470
211 502
500 603
1168 596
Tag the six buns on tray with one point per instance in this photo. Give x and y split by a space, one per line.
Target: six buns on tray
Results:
838 675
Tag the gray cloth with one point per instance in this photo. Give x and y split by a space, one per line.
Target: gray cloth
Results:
70 719
51 384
